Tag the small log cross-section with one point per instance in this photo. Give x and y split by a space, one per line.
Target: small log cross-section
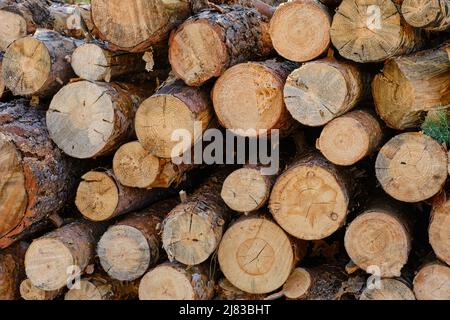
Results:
412 167
256 255
389 289
432 15
432 282
101 197
173 281
173 107
439 229
59 257
411 85
249 97
30 292
351 137
311 199
38 65
12 271
372 31
128 248
300 30
208 43
193 229
322 90
91 119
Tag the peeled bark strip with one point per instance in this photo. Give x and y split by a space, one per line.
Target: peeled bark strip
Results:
300 30
12 271
174 106
439 229
101 197
38 65
92 61
210 42
29 292
36 179
391 289
56 259
380 237
322 90
247 189
432 282
256 255
91 119
311 199
372 31
412 167
432 15
248 97
127 249
173 281
412 85
137 25
193 229
351 137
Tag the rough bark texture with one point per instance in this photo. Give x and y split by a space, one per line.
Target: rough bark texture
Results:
432 15
12 271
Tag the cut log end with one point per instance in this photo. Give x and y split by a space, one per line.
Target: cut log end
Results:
412 167
30 292
90 62
88 290
433 283
391 289
12 27
428 14
439 231
298 284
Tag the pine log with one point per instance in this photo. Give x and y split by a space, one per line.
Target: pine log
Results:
439 229
412 85
138 25
128 248
226 291
208 43
311 199
59 257
101 197
92 61
173 107
248 97
391 289
372 31
432 282
173 281
322 90
381 237
38 65
300 30
412 167
36 179
432 15
91 119
30 292
256 255
349 138
12 271
2 82
193 229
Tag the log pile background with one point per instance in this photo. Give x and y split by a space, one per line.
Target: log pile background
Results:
92 206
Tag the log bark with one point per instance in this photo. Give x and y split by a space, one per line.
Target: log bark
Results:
208 43
432 15
128 248
412 167
261 83
38 65
100 197
12 271
174 106
59 257
36 179
173 281
29 292
311 199
193 229
391 289
372 31
322 90
300 30
137 26
412 85
256 255
91 119
349 138
432 282
439 228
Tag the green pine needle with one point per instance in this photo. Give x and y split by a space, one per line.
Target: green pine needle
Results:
436 125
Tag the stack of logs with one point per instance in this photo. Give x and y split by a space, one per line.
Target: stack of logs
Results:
94 205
